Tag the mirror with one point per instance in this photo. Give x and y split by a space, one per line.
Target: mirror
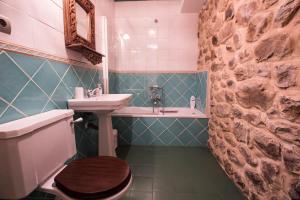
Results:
83 21
79 21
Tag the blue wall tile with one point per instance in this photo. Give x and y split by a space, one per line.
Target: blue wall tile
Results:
29 64
31 100
51 86
12 78
202 80
3 106
46 73
10 114
178 88
59 67
71 79
161 131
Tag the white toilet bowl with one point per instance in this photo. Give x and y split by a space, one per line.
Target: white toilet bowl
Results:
50 188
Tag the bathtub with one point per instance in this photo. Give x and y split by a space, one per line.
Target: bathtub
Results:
175 127
173 112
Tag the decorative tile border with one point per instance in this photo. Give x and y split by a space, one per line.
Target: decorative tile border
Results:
161 131
32 52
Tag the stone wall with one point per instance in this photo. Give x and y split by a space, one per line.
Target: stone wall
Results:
252 50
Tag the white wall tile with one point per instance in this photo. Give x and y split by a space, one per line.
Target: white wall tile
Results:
175 38
39 24
48 39
47 12
21 26
58 3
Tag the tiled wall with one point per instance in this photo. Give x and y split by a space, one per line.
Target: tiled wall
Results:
31 85
161 131
154 35
40 25
202 84
178 88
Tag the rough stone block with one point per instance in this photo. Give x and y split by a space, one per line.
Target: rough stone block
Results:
229 13
223 110
229 138
258 25
269 3
294 191
270 171
276 46
286 75
285 130
255 92
291 158
226 124
239 180
237 112
256 180
228 167
232 63
264 72
268 145
243 72
226 32
235 158
230 84
244 55
286 12
245 12
250 159
237 40
256 118
241 131
290 106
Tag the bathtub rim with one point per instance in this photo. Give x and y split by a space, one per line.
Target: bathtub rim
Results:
198 115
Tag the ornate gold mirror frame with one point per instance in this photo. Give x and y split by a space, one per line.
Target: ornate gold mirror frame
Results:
75 41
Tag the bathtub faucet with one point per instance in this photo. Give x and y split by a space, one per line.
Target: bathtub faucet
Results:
155 97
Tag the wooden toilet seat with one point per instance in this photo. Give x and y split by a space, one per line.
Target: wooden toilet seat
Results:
94 178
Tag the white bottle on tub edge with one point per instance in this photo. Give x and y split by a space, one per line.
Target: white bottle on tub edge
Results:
192 103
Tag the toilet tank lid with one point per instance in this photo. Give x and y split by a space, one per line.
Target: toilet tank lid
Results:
28 124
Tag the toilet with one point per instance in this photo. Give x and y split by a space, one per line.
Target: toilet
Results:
34 152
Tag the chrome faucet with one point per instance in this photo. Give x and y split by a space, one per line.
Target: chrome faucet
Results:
91 93
155 97
95 92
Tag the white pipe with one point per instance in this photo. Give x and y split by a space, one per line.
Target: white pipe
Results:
104 39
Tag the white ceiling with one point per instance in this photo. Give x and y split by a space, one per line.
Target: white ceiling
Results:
192 6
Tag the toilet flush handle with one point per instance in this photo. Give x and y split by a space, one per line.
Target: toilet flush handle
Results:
77 120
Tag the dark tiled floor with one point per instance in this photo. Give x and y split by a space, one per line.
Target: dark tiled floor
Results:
172 173
175 173
37 195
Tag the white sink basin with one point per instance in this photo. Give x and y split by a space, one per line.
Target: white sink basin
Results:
102 106
105 102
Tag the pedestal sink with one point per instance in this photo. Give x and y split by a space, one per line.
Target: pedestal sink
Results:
102 106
